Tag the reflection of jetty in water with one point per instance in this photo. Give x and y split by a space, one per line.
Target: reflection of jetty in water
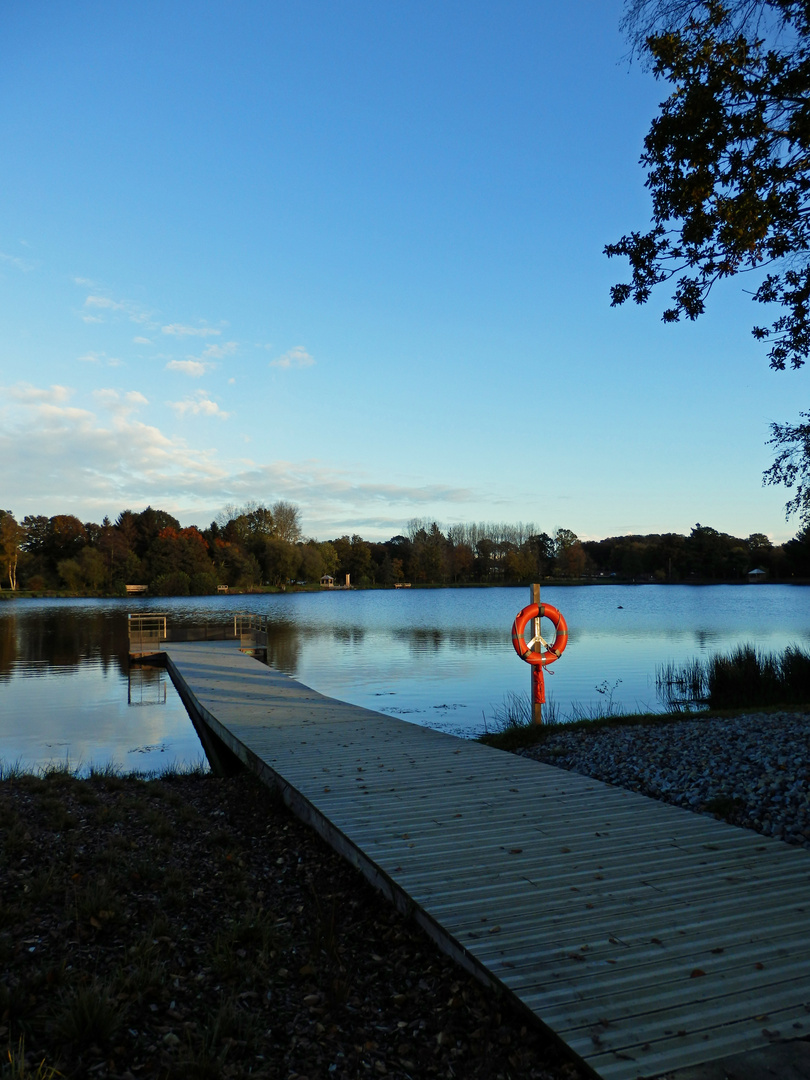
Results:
146 685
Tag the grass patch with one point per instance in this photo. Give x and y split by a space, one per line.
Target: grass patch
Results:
513 725
516 737
88 1016
19 1068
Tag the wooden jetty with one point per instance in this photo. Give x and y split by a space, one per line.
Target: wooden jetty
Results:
647 938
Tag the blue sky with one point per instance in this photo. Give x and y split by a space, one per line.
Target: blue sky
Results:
350 255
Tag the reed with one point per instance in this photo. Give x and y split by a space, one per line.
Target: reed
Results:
682 686
744 678
749 677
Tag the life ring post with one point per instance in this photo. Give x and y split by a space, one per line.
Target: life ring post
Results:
538 682
546 653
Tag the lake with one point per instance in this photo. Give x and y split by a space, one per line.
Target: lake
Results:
438 657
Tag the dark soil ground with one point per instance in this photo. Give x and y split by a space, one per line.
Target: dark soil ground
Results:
191 927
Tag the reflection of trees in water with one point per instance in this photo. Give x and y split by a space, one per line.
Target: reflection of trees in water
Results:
420 639
707 639
283 645
8 645
285 640
63 638
348 635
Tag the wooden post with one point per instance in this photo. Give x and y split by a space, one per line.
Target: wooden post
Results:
537 707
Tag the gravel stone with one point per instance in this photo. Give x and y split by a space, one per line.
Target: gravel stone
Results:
751 770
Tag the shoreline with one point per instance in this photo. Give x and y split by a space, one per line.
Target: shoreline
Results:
275 590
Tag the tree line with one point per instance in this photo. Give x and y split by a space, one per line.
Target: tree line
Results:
255 545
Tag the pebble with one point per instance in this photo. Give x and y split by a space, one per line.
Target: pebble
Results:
751 770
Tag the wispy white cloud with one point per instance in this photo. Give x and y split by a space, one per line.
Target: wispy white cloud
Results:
27 394
121 404
198 365
97 305
142 341
220 351
96 456
92 461
100 358
199 404
316 481
192 367
179 330
104 302
297 357
25 265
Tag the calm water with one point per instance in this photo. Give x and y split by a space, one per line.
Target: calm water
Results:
442 658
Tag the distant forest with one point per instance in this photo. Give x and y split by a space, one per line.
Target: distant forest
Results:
255 545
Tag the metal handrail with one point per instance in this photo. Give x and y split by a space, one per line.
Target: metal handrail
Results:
146 632
251 630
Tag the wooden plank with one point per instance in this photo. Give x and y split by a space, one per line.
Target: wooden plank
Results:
646 937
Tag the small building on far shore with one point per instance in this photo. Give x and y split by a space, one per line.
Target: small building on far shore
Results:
327 582
757 575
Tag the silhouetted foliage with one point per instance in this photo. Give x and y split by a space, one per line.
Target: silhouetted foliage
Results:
728 168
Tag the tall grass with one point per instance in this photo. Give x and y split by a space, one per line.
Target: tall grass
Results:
683 686
110 771
515 712
739 679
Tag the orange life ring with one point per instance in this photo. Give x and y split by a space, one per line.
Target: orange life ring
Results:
555 650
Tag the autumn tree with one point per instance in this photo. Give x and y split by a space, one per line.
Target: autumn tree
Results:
12 535
244 524
728 168
180 552
287 521
86 571
49 541
279 560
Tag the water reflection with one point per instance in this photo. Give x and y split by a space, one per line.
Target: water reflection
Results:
348 635
438 657
146 685
421 641
45 638
8 646
283 645
66 691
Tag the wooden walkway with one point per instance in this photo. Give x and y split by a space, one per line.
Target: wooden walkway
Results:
646 937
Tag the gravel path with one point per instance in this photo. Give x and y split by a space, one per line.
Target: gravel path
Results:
751 770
